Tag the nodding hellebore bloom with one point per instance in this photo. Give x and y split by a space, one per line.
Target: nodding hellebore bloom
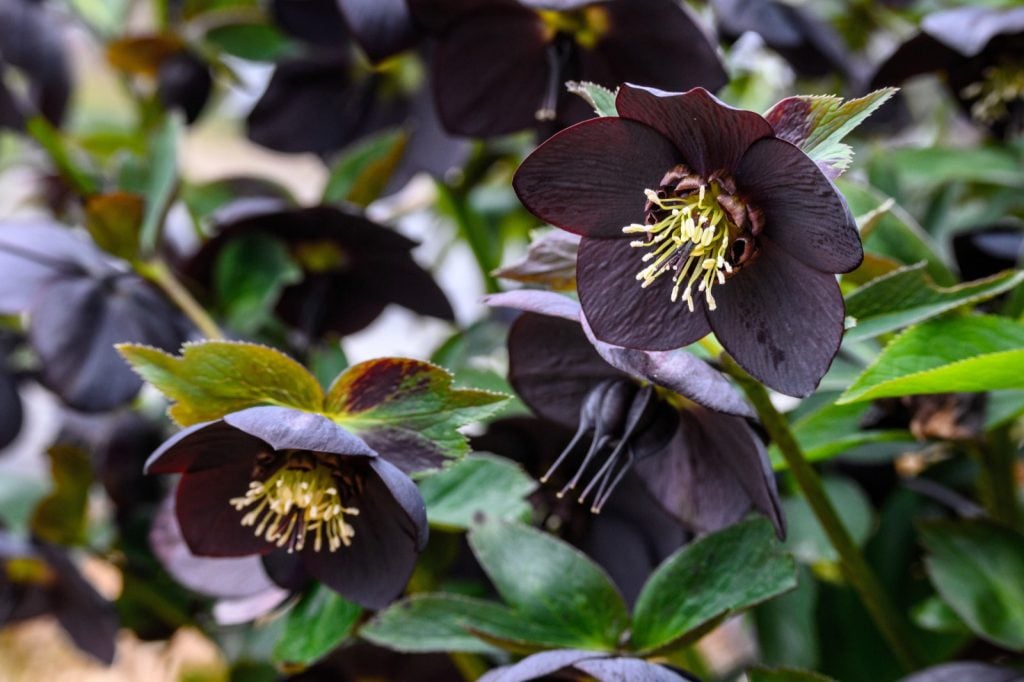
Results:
652 413
500 65
695 218
980 51
594 665
283 483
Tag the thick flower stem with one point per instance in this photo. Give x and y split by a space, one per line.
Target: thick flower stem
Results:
157 272
888 620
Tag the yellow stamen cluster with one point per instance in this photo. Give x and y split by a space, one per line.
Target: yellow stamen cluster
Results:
586 26
294 503
691 240
1001 86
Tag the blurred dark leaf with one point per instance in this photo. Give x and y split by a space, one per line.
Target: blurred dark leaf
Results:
256 42
162 181
936 615
786 630
113 221
362 172
61 516
807 539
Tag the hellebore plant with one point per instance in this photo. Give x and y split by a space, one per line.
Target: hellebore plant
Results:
696 217
500 65
280 480
31 41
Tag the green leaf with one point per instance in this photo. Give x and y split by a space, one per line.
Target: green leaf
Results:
409 405
362 172
69 163
256 42
707 580
547 581
817 124
1003 407
427 623
937 616
957 354
113 221
314 627
908 296
597 96
806 538
785 675
248 277
61 516
937 165
787 631
479 484
162 181
978 568
214 378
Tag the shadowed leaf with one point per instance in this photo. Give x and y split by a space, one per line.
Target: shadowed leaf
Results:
60 517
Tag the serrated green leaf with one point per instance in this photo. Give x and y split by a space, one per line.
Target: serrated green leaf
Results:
479 484
597 96
978 568
807 540
817 124
362 172
314 627
959 354
60 517
908 296
408 408
549 582
213 378
426 623
707 580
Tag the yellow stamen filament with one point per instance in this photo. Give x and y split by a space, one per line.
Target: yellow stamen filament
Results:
691 240
294 503
1000 86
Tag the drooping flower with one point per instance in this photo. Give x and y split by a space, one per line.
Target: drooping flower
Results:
596 665
38 579
280 481
695 218
501 65
31 41
980 52
704 467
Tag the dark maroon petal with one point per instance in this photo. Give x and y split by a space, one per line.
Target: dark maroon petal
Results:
969 29
632 669
646 42
711 135
921 54
552 366
536 301
204 446
742 453
540 665
781 320
390 530
313 21
490 72
210 525
383 28
590 179
31 39
962 671
676 370
435 15
804 213
622 313
286 428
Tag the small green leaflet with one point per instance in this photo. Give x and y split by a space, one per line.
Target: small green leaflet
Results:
958 354
597 96
817 124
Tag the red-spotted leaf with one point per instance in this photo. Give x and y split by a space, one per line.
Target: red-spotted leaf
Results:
817 124
213 378
408 410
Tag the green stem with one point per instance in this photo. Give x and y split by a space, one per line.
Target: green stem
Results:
860 576
473 232
157 272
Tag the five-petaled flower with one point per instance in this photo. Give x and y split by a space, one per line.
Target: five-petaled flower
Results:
695 217
276 479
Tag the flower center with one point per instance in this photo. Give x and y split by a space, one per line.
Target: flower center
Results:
300 499
1001 86
696 229
586 26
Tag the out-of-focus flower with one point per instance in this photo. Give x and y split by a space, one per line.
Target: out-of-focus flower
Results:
184 82
275 480
587 664
80 302
987 250
353 267
31 41
10 399
980 52
695 217
501 65
39 579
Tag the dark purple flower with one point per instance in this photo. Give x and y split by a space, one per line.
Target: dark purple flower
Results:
984 251
695 218
704 467
184 82
10 398
500 65
353 267
284 483
595 665
80 302
980 51
383 28
31 41
39 579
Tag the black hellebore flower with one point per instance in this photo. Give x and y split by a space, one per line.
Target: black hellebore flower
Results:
579 664
39 579
31 41
353 267
275 480
706 468
500 65
980 51
80 302
695 217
